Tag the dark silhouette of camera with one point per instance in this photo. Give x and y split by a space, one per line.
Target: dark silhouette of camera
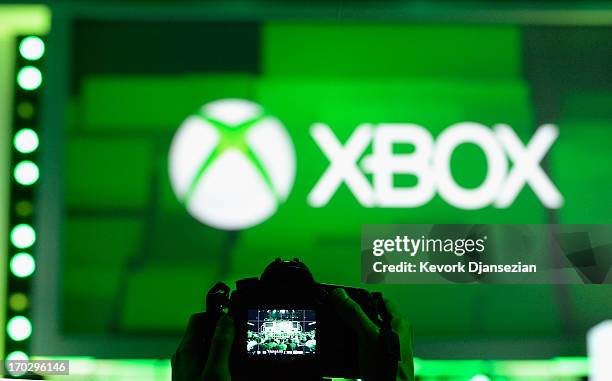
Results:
286 329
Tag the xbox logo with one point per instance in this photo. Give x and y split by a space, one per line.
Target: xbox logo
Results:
231 164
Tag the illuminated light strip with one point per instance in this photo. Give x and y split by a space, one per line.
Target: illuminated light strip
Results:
25 173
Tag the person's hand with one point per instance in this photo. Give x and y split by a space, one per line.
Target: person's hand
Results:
371 360
198 360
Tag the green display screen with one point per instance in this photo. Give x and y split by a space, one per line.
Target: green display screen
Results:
135 261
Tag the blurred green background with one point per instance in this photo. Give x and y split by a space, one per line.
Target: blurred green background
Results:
129 264
122 121
117 186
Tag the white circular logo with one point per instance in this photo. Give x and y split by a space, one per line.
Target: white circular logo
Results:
231 164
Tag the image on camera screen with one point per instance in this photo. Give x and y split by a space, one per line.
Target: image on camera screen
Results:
281 332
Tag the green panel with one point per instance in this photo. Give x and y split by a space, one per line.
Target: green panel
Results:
591 305
477 311
169 202
96 254
391 50
495 302
162 297
580 160
592 105
153 103
108 173
581 169
83 313
102 240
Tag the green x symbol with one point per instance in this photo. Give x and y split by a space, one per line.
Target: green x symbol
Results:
232 137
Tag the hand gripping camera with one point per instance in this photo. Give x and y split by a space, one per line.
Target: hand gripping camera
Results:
286 329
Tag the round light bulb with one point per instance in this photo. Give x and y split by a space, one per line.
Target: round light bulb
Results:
19 328
29 78
26 140
32 48
22 265
23 236
26 172
16 356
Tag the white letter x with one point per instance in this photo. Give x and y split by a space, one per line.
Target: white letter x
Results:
526 167
342 165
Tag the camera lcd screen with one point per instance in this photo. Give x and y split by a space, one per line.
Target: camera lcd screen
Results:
281 332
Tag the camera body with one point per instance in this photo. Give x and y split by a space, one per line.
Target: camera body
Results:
285 329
